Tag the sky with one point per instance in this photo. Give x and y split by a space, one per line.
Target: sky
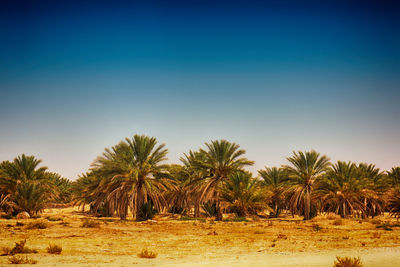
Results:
79 76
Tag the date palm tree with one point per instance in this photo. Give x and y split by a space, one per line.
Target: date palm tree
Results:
243 192
275 181
375 185
221 159
305 170
341 190
394 176
130 170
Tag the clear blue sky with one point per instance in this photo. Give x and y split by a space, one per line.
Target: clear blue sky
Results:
79 76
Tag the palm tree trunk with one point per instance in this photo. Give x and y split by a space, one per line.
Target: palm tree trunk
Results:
138 204
307 206
219 211
197 209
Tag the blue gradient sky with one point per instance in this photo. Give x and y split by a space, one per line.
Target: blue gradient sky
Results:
76 77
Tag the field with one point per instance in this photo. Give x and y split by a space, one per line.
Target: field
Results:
184 241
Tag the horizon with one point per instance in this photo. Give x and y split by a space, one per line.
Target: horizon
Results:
76 78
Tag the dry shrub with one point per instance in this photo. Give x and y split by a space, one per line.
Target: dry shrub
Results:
54 249
316 227
87 223
21 260
37 225
337 222
147 254
19 248
347 262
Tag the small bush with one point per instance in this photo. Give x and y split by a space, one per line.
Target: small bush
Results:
21 260
54 249
316 227
37 225
347 262
19 224
147 254
19 248
87 223
337 222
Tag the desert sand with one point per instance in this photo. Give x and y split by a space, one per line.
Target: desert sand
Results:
285 241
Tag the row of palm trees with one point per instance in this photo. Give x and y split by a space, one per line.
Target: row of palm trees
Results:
132 176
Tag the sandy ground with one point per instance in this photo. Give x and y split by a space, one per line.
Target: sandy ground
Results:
276 242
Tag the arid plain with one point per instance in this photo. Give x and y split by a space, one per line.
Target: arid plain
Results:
183 241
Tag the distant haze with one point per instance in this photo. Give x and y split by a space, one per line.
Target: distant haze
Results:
76 78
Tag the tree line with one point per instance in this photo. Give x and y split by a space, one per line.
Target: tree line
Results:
133 176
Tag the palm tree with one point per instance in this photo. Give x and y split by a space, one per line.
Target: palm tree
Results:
275 181
130 172
27 185
23 168
341 189
375 185
192 163
243 192
394 175
306 169
221 159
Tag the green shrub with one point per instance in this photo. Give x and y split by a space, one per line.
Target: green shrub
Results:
147 254
347 262
54 249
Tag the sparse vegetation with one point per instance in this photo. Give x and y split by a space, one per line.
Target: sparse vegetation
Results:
54 249
37 225
147 254
90 223
16 259
347 262
19 248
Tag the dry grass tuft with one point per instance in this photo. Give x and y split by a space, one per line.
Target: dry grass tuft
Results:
54 249
147 254
37 225
347 262
87 223
21 260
